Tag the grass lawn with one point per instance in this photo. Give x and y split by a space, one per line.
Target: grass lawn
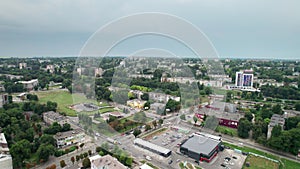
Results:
259 163
219 91
227 130
204 99
107 109
285 163
154 133
63 99
147 120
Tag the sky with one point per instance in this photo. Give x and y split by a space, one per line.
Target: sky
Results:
249 28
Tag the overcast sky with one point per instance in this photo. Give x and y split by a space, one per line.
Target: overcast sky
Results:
237 28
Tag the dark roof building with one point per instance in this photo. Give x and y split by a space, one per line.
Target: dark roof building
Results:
201 148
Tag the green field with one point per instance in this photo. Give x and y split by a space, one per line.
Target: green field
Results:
259 163
226 130
107 109
63 99
148 119
285 163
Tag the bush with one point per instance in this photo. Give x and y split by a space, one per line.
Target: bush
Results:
59 153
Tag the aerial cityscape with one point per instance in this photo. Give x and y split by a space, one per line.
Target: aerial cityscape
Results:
139 85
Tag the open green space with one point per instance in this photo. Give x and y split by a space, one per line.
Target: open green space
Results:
154 133
285 163
259 163
107 109
64 99
148 119
227 130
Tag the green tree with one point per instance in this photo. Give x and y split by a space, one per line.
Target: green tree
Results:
147 105
173 105
154 123
276 131
86 163
160 121
20 151
248 115
62 163
45 151
195 119
277 109
145 96
129 161
47 139
136 132
229 96
77 157
244 128
297 106
182 117
147 127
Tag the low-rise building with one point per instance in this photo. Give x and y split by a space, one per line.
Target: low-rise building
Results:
29 85
22 65
276 119
201 147
5 157
3 99
50 117
50 68
106 162
135 103
68 138
161 97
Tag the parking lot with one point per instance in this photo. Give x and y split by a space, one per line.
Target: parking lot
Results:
227 159
169 139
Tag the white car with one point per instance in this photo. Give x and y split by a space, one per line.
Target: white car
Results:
148 158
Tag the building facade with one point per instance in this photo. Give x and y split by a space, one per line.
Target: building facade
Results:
276 119
68 138
29 85
5 157
200 147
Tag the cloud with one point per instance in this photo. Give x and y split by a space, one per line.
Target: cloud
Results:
230 24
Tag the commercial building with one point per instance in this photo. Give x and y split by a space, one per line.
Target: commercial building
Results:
5 157
152 147
68 138
105 162
201 147
276 119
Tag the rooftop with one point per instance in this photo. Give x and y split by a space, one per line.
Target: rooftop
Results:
61 135
201 144
55 116
276 119
109 162
151 145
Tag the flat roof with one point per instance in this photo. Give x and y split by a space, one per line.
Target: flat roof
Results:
200 144
65 134
151 145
